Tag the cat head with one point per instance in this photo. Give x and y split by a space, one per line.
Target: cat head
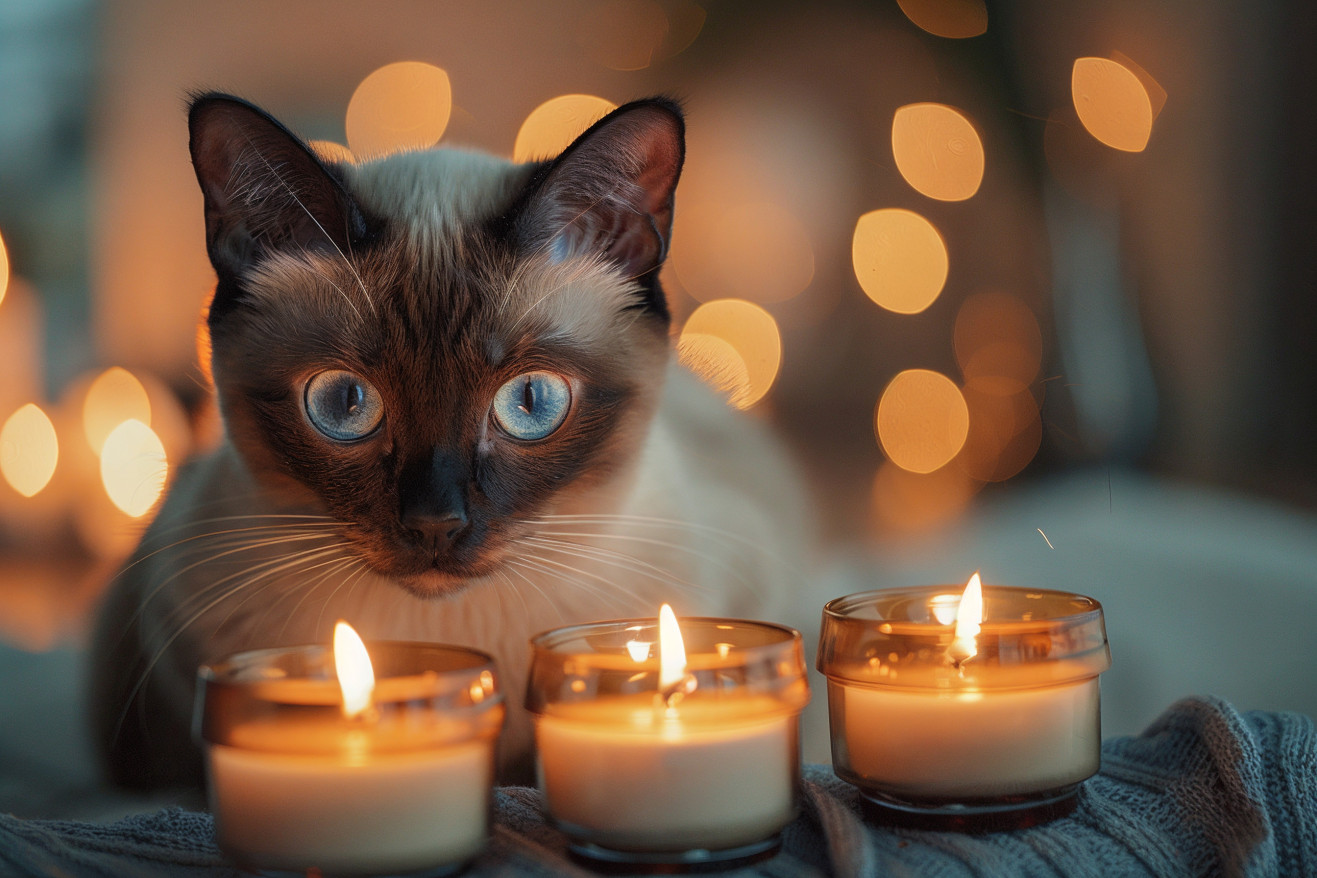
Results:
436 347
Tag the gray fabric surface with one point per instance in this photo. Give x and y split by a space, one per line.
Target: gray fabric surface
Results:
1205 790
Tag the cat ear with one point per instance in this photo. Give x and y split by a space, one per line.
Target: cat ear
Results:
610 192
264 188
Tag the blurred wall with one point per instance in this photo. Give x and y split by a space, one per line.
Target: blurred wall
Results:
1168 288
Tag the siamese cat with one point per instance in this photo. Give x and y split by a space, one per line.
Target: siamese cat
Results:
451 414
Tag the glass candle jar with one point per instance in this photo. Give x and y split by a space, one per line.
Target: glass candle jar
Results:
704 772
932 737
404 788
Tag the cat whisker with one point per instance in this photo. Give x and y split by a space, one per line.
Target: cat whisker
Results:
320 619
334 563
516 568
268 575
512 586
644 541
654 521
242 545
268 571
344 563
721 535
209 534
618 560
614 592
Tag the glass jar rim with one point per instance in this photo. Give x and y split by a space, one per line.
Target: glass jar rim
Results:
774 636
844 609
426 693
891 637
593 662
261 668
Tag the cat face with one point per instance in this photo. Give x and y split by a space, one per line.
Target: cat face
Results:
435 348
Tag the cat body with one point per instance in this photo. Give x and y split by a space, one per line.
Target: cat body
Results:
450 415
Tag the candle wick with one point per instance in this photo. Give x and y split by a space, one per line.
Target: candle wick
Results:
368 715
958 656
672 695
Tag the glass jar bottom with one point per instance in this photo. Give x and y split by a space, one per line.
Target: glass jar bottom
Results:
444 871
672 862
1001 814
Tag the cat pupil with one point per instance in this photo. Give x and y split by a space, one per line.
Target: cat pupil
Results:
352 394
527 397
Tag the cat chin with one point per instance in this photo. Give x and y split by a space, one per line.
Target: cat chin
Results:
432 584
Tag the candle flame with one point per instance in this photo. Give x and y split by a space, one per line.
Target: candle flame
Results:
969 618
356 678
674 682
672 651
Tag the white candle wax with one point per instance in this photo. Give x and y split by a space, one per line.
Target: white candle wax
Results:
355 811
965 743
707 775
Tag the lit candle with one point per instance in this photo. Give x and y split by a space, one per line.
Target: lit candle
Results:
949 706
691 755
313 763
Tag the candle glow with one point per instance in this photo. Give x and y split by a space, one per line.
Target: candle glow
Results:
672 651
905 686
356 677
691 752
969 621
387 769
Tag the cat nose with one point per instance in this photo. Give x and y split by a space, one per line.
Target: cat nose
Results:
433 506
437 531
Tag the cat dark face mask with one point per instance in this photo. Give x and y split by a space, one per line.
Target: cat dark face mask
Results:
435 370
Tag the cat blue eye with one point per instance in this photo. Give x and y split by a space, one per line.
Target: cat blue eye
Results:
533 405
343 406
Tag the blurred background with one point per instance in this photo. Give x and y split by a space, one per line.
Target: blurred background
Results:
1024 285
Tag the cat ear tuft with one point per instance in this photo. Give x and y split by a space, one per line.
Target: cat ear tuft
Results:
264 188
611 191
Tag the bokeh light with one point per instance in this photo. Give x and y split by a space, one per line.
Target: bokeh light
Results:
553 125
900 259
757 251
29 450
937 151
115 396
903 502
404 105
623 34
133 467
330 151
685 21
1156 94
1112 103
1005 433
4 268
1081 165
22 346
751 331
204 349
720 365
954 19
998 343
921 420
